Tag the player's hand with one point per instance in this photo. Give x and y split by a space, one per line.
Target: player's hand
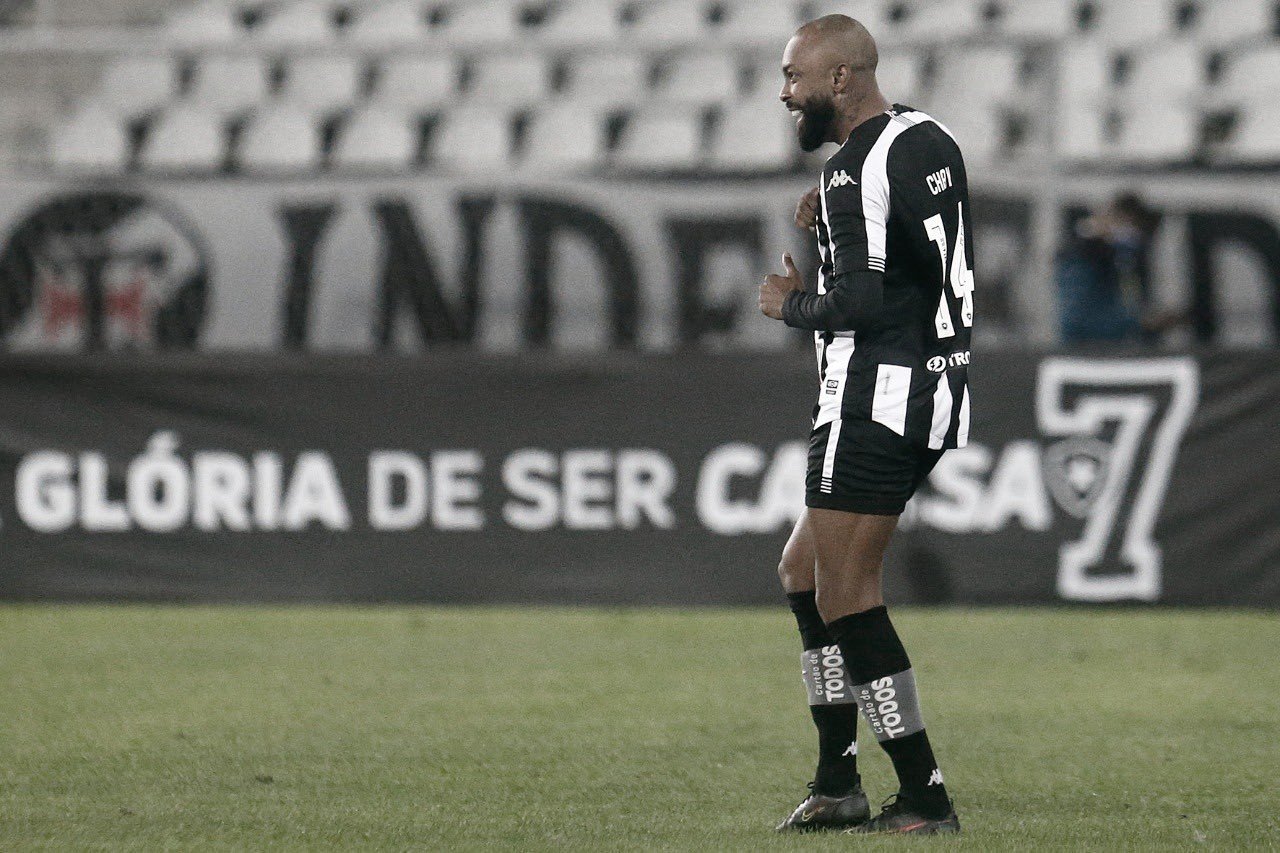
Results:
776 287
807 210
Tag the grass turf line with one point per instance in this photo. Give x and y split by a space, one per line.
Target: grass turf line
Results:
553 729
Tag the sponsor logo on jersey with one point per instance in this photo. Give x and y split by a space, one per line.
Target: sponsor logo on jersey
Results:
935 778
939 363
833 385
840 178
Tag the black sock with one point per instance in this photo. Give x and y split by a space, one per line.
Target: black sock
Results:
886 692
831 701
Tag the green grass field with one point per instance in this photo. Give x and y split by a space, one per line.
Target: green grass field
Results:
553 729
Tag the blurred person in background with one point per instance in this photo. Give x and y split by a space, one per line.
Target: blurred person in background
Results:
1103 276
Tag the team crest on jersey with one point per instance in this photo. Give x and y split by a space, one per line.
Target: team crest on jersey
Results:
840 178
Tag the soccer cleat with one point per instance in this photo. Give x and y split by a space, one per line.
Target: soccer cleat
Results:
898 817
818 811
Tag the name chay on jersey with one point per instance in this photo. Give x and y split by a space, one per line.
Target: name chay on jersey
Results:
895 199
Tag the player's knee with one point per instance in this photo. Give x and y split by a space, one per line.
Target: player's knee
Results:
790 574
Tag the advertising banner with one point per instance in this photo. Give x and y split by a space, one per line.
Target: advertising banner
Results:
616 479
508 262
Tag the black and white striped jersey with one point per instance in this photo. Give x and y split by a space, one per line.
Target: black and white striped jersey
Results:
895 200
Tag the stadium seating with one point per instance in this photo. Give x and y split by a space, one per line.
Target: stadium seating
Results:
416 82
510 80
401 22
472 138
186 138
302 23
280 138
321 83
661 139
226 84
564 137
381 138
132 85
753 137
1012 78
93 140
609 79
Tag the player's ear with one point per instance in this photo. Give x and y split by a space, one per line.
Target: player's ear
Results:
840 77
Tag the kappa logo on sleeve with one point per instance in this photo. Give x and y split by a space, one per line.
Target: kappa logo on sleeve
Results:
840 178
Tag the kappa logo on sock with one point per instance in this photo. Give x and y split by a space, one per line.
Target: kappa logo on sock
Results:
935 778
852 749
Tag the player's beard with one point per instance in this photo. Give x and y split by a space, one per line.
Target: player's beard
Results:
815 124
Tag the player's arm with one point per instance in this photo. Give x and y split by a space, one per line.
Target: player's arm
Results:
857 213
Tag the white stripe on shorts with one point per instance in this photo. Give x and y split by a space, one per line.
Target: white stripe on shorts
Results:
942 406
829 460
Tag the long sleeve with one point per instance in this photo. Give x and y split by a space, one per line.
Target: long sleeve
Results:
852 303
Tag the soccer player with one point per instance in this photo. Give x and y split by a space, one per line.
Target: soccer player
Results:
891 317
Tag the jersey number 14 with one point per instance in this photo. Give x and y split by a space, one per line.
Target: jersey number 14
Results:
960 275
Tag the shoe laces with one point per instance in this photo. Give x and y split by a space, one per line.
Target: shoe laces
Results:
893 804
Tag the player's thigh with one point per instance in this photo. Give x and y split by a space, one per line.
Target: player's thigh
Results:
795 569
849 549
849 543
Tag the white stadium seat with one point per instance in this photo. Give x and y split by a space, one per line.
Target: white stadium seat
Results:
280 138
400 22
668 22
93 140
699 77
1165 71
1250 76
481 23
754 136
1158 132
228 84
1227 23
1129 22
302 22
981 74
584 22
900 77
1085 71
661 139
1082 132
472 138
322 82
1042 20
211 23
946 20
1257 136
185 138
752 22
508 79
378 138
564 136
609 79
417 82
133 85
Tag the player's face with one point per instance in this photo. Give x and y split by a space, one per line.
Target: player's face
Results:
808 94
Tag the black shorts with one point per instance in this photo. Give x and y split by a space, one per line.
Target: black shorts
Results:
865 467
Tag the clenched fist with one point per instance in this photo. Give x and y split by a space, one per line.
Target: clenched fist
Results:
776 287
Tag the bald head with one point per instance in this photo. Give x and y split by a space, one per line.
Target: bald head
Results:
840 40
830 70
